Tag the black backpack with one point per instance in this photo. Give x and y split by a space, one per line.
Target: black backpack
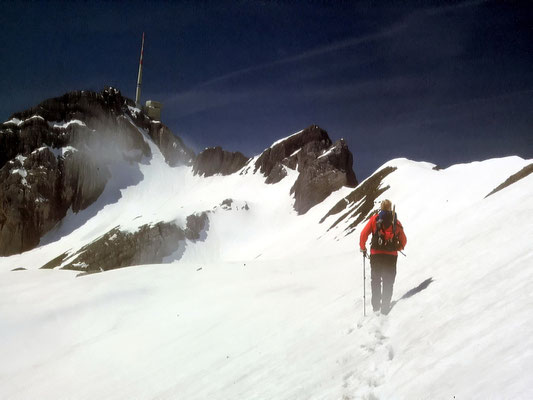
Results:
383 238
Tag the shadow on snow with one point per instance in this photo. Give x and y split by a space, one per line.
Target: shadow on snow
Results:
414 291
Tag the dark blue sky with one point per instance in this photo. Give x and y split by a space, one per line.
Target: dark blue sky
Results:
444 82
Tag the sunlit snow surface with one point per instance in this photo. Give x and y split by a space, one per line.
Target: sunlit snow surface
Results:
270 306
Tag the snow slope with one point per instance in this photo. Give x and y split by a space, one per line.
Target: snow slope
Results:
269 305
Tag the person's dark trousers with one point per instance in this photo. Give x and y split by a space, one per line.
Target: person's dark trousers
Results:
383 273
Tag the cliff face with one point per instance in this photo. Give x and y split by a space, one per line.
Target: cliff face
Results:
214 160
56 157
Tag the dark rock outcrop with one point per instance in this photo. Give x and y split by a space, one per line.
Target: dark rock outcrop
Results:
230 204
358 205
214 161
196 224
29 188
322 176
57 155
323 167
37 190
513 179
311 140
118 249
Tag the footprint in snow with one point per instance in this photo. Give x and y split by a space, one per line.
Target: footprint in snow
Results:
373 358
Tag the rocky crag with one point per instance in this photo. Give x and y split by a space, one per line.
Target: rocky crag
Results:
56 157
118 248
323 166
215 160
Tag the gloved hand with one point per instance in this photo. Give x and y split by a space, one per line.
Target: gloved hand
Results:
364 252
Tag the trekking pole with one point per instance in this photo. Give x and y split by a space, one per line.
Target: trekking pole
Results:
364 286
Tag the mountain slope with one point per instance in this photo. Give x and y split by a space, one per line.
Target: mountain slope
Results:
268 304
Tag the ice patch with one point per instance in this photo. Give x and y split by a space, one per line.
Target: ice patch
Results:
18 122
80 265
21 171
65 124
34 117
39 149
21 158
327 152
13 121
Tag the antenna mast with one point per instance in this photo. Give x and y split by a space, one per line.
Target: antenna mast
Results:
139 78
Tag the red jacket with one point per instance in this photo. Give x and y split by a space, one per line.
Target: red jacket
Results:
370 227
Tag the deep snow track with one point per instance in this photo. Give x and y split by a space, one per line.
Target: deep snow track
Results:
367 361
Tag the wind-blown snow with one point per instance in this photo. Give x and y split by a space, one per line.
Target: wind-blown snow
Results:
326 153
285 138
269 305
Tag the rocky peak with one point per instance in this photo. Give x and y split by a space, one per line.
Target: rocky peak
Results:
323 166
311 139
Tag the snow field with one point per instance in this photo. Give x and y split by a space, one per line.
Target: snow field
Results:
467 334
172 331
269 305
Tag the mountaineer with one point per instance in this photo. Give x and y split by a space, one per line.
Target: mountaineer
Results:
388 238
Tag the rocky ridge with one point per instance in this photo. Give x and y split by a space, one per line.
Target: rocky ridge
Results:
358 205
118 248
527 170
